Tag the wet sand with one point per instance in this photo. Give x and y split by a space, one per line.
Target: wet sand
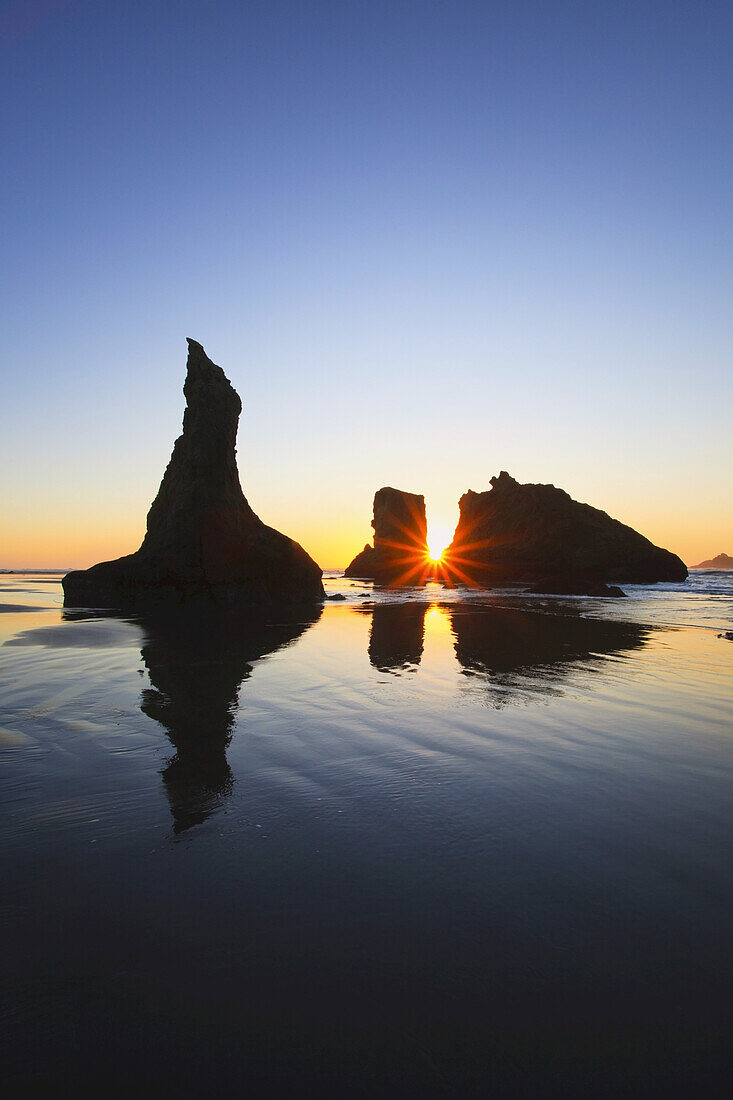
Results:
453 845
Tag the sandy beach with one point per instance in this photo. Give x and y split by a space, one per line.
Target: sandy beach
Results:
421 840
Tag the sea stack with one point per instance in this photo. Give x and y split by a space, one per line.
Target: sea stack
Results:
400 554
203 539
538 535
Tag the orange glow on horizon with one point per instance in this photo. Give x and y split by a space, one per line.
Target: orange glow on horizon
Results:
48 532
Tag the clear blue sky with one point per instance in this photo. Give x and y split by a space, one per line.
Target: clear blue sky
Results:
425 240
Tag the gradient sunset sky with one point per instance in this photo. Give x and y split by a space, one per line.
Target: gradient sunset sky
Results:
426 241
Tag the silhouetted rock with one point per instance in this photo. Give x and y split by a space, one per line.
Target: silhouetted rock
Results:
723 561
567 586
363 565
529 533
400 552
202 536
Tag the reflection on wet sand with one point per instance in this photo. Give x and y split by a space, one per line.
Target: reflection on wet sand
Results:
198 659
397 636
514 650
196 662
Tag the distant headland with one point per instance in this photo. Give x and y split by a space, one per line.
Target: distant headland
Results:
723 561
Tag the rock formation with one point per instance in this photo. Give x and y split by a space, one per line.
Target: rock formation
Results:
574 586
202 536
539 535
723 561
400 551
363 565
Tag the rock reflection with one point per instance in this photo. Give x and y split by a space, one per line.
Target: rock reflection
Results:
516 651
397 636
197 661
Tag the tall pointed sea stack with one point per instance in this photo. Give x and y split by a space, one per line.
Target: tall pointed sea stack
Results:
400 552
203 539
539 535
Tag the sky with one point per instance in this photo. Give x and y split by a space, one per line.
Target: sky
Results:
426 241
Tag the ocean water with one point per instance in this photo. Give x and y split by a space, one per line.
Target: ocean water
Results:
434 842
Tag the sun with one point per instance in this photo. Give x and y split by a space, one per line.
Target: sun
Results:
436 548
439 536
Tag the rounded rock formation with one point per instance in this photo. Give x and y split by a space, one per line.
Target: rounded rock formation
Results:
528 534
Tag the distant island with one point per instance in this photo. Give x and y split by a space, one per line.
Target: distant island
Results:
723 561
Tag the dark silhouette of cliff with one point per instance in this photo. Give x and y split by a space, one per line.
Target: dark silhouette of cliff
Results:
197 660
539 535
400 554
202 536
722 561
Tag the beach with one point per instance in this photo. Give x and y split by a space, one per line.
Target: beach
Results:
438 840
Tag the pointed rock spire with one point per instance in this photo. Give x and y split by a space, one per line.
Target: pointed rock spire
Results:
202 536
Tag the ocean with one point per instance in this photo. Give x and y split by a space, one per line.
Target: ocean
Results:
430 841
